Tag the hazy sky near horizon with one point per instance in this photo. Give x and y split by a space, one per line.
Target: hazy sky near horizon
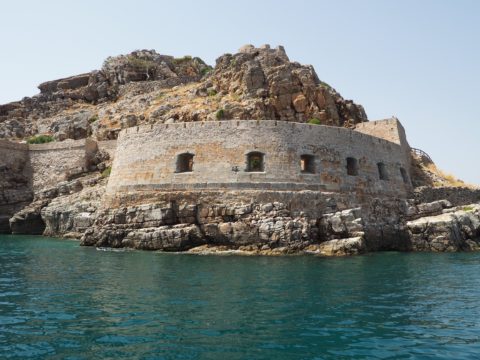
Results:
416 59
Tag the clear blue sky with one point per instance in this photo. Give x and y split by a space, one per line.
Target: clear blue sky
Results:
416 59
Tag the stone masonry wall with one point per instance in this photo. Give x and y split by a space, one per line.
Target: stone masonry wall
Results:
388 129
59 161
146 158
15 184
109 146
455 195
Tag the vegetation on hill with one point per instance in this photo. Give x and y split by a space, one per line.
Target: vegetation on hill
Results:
40 139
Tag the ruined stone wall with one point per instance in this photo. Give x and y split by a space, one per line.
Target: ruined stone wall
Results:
59 161
109 146
146 158
455 195
15 184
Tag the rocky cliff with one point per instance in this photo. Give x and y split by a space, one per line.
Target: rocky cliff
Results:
145 87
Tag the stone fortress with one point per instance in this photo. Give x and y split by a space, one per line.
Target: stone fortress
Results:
228 155
161 153
266 154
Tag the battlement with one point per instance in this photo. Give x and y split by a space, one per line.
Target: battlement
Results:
270 124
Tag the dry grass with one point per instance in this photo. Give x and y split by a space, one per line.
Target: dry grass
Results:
445 179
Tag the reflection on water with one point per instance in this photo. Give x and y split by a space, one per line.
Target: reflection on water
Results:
62 301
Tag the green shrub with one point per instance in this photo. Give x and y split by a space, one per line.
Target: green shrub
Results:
198 60
314 121
256 164
140 64
468 208
323 83
40 139
182 59
93 119
212 92
205 71
220 114
106 172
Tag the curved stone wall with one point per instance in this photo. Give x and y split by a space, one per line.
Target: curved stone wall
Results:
146 158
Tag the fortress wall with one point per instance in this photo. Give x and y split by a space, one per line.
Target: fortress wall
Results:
108 146
57 161
388 129
456 195
15 175
146 158
6 146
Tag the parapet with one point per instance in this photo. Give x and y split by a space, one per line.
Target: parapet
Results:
62 145
388 129
260 125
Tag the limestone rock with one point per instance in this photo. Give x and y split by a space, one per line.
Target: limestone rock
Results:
168 238
342 247
451 231
29 221
290 91
145 87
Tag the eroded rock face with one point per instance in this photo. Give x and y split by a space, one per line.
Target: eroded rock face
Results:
15 185
270 86
50 112
66 210
145 87
148 65
29 220
74 209
350 246
176 228
72 214
456 229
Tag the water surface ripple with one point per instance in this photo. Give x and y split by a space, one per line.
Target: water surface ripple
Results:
62 301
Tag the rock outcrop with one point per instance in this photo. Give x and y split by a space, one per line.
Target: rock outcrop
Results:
269 86
455 229
15 182
145 87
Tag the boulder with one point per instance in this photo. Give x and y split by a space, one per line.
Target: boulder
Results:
454 230
29 221
342 247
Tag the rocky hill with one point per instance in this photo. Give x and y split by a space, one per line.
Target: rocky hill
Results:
61 193
145 87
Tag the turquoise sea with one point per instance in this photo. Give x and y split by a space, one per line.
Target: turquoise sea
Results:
62 301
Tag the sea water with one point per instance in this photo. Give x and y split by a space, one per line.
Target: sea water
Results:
62 301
